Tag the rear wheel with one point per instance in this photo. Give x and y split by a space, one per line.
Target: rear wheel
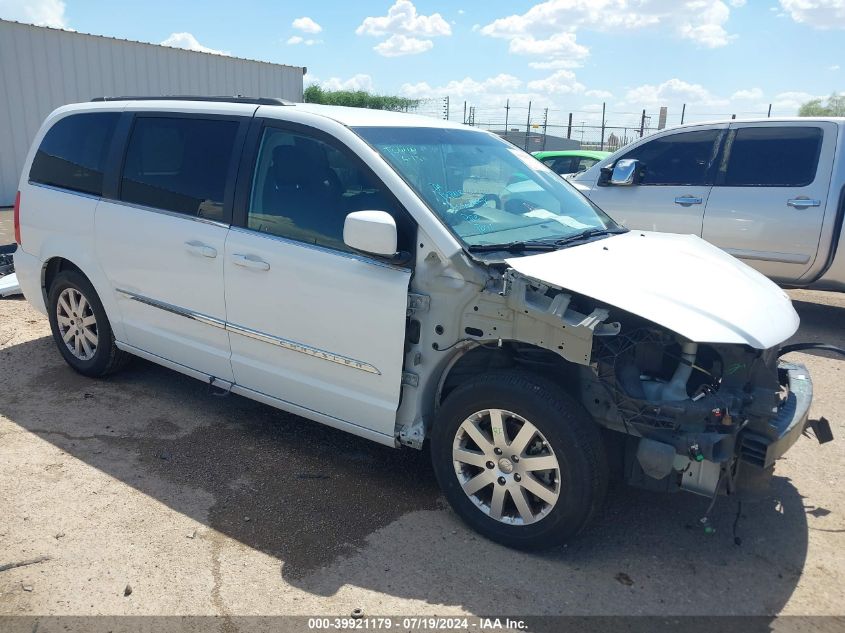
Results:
80 327
519 460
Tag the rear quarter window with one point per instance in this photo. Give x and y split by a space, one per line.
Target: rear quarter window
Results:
73 153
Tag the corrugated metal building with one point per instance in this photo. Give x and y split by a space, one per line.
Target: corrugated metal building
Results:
44 68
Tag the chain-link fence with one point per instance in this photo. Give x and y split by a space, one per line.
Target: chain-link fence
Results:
542 128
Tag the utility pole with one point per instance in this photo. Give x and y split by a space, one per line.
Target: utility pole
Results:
527 127
601 145
683 112
769 115
642 125
545 125
569 127
465 112
446 108
507 111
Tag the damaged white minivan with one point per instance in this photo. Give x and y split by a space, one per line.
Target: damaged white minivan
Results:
414 282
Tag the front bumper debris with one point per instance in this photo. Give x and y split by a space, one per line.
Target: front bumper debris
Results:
763 445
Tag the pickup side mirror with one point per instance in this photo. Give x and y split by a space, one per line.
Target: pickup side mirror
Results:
625 172
371 232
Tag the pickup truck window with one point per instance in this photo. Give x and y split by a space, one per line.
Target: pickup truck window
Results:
486 190
677 159
772 156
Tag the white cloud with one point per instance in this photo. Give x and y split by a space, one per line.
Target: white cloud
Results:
821 14
672 91
598 94
702 21
38 12
356 82
298 39
408 32
834 68
554 64
792 100
493 90
747 95
306 25
559 82
737 3
402 18
558 45
189 42
398 45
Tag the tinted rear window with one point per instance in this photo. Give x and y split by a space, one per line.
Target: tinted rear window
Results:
773 157
179 164
73 152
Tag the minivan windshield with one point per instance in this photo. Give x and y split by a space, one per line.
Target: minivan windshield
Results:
486 190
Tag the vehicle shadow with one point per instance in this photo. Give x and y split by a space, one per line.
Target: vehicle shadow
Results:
820 323
337 510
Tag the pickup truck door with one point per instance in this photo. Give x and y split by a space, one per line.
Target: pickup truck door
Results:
673 192
770 198
315 328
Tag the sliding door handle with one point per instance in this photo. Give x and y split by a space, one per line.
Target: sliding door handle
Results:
252 262
198 248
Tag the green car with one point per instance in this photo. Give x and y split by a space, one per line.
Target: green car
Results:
570 161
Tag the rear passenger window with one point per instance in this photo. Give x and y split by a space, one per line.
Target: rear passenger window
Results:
303 188
773 156
73 152
179 164
677 159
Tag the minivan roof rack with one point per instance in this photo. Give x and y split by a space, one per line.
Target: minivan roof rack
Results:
231 99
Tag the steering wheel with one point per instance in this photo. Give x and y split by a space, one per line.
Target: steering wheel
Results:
484 199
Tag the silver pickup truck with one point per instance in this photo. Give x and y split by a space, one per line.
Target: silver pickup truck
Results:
768 191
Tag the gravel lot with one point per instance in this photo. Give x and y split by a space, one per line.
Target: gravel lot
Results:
222 506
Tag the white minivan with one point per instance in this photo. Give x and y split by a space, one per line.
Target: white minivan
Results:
411 281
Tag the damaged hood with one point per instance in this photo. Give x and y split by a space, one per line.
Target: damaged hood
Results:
678 281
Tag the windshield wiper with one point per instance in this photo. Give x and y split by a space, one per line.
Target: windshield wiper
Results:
511 247
587 234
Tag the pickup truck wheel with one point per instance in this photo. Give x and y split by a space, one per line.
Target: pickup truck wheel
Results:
519 460
80 327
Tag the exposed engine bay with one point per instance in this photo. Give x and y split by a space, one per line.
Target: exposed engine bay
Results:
693 414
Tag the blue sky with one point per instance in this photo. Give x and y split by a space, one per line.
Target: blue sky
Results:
717 56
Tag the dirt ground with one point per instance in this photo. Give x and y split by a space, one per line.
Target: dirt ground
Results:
222 506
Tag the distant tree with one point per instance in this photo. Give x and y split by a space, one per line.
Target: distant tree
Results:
835 106
358 99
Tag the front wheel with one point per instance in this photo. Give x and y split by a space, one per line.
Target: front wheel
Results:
519 460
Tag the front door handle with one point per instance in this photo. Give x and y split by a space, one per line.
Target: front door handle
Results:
250 261
803 203
687 200
198 248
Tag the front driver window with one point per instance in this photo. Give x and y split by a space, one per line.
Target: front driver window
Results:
677 159
303 189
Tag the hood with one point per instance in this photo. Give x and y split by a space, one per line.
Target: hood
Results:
678 281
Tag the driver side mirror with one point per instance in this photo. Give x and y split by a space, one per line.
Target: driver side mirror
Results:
625 172
372 232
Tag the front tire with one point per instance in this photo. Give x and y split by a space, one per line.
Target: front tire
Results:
519 460
80 327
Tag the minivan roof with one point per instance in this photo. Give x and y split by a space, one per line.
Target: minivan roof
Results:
351 117
789 119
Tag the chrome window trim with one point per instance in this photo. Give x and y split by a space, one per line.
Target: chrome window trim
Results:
172 214
81 194
318 247
284 343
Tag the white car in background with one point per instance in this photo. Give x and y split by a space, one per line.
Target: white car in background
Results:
768 191
408 280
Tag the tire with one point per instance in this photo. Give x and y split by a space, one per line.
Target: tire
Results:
90 349
572 442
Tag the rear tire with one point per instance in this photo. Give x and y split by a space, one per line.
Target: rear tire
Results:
80 327
537 479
